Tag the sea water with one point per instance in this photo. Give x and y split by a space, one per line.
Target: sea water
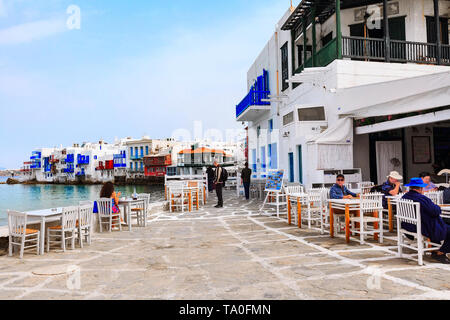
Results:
35 197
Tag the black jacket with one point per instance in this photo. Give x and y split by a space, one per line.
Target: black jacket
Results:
246 175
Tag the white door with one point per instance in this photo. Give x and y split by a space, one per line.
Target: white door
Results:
389 158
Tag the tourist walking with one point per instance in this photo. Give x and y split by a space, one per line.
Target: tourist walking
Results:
218 184
246 177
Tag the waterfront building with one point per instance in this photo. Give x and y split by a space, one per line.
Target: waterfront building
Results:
156 165
346 86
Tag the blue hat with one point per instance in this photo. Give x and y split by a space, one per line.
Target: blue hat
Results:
416 182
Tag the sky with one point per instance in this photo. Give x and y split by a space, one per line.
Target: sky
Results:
124 68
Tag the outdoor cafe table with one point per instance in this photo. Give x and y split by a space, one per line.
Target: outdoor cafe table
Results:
127 204
348 205
300 198
43 216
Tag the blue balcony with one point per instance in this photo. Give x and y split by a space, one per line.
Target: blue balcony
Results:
70 169
70 158
137 157
81 160
252 106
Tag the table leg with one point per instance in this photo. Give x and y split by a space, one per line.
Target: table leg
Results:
331 221
347 223
42 240
190 201
204 195
197 197
129 217
299 213
391 224
375 225
289 210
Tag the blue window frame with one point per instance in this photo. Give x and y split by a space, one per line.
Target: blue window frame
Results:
131 151
263 159
146 150
270 125
274 156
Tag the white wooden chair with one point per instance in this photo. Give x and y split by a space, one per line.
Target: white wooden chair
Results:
291 193
140 210
409 212
106 216
365 186
314 206
178 198
66 231
198 186
369 224
85 223
20 235
436 196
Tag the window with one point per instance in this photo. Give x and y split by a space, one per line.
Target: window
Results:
274 158
258 131
146 150
284 67
311 114
270 125
289 118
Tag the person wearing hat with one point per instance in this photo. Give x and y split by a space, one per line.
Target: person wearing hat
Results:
391 187
432 224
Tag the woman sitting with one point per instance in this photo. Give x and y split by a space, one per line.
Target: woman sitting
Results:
108 192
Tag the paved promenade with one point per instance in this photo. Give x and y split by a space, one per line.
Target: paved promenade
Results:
229 253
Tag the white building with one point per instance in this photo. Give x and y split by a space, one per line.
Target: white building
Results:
350 97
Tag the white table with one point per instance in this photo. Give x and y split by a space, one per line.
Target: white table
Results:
127 203
347 205
299 198
43 216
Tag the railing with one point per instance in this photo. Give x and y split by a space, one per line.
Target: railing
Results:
253 98
371 49
323 57
137 157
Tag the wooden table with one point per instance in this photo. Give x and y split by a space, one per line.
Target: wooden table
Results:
127 203
43 216
348 205
299 198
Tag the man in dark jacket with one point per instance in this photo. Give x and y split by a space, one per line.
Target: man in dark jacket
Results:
210 174
246 177
432 224
218 183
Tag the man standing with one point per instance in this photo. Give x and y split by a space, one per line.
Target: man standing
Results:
339 190
218 182
246 176
391 187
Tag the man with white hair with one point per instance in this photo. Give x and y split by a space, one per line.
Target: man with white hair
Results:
392 186
218 182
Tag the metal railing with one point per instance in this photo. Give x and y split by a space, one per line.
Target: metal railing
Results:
400 51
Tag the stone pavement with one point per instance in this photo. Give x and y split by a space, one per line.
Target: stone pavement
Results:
229 253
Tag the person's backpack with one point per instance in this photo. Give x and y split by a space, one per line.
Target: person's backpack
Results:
224 175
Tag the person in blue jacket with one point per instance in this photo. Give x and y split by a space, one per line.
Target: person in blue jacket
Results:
432 224
339 190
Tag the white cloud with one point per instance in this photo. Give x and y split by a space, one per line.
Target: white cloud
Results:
28 32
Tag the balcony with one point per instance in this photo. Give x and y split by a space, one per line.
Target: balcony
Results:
136 157
253 106
81 160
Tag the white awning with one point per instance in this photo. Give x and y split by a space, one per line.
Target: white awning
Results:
341 132
395 97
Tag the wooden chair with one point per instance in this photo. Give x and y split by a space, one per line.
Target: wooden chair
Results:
66 231
436 196
370 219
20 235
85 222
140 210
314 206
106 216
409 212
178 198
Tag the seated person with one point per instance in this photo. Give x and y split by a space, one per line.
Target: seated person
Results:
433 227
391 187
108 192
339 190
426 178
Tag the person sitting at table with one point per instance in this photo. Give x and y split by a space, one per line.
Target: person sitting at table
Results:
432 224
339 190
391 187
426 178
109 192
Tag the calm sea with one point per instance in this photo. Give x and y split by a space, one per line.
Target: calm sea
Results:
34 197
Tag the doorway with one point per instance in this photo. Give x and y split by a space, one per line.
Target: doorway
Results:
291 167
389 155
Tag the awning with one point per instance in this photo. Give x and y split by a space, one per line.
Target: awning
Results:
340 133
395 97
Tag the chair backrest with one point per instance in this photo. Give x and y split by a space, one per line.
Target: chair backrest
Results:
85 203
365 184
69 218
293 190
371 201
193 184
85 214
436 196
104 206
409 212
17 223
316 195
